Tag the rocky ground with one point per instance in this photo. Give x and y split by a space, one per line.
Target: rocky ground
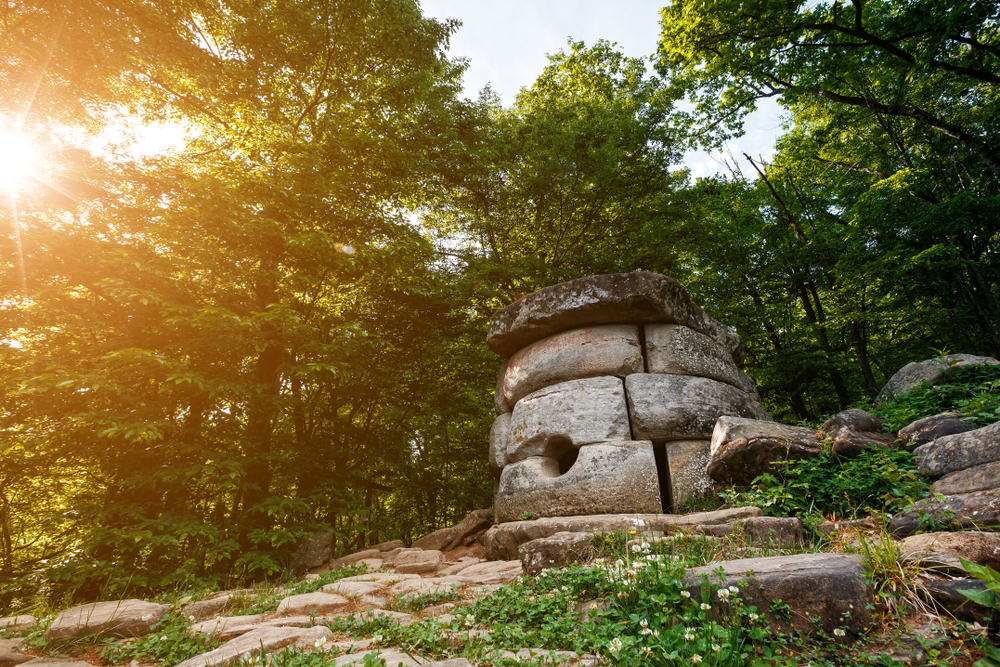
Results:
832 601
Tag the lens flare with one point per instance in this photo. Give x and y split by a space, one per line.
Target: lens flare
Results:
17 159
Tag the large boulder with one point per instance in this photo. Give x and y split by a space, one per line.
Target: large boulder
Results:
945 549
419 562
931 428
960 451
499 433
313 551
678 407
609 350
823 591
970 511
674 349
686 461
621 298
853 419
461 534
742 449
120 618
503 539
261 640
913 374
569 414
500 405
607 477
853 431
970 480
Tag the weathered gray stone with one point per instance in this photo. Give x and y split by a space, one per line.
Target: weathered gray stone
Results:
570 414
313 551
556 550
462 564
476 522
498 444
397 616
261 640
787 531
930 428
382 577
390 657
960 451
853 419
945 549
622 298
970 480
389 557
121 618
687 460
948 595
675 349
424 586
493 572
678 407
419 562
206 608
970 511
351 589
850 444
312 603
17 622
503 539
388 546
227 627
9 656
500 405
351 559
830 588
607 477
742 449
609 350
932 370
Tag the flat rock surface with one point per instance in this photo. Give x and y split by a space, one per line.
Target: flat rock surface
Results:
419 562
620 298
960 451
382 577
556 550
445 539
120 618
946 549
312 603
424 586
678 350
609 350
391 658
9 655
503 540
969 511
254 642
970 480
606 477
17 622
569 414
492 572
932 370
678 407
827 587
352 589
218 626
742 449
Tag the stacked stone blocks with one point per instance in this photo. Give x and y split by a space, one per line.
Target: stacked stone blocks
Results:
612 387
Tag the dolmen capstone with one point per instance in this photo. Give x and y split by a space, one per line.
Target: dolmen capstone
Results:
609 397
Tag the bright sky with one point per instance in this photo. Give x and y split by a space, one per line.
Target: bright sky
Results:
506 42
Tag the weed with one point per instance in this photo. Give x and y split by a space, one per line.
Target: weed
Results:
415 603
169 643
973 391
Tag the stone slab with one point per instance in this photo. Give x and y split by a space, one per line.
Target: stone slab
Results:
674 349
9 656
608 350
17 622
970 480
261 640
687 461
606 477
678 407
312 603
570 414
224 625
930 428
119 618
828 587
419 562
557 550
960 451
352 589
967 511
945 549
503 539
621 298
742 449
445 539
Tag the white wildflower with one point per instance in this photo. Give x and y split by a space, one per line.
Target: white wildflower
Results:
716 648
754 617
615 645
706 607
470 620
689 634
839 632
685 594
695 659
734 590
723 593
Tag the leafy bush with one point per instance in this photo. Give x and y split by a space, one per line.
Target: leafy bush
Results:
973 390
878 480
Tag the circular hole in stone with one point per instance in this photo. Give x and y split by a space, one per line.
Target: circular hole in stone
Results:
567 460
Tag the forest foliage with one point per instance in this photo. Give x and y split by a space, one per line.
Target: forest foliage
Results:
278 328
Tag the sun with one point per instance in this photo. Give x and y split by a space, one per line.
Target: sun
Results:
17 159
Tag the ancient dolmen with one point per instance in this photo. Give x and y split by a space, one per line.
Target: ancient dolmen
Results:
609 397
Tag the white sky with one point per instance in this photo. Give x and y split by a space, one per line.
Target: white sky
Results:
506 42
